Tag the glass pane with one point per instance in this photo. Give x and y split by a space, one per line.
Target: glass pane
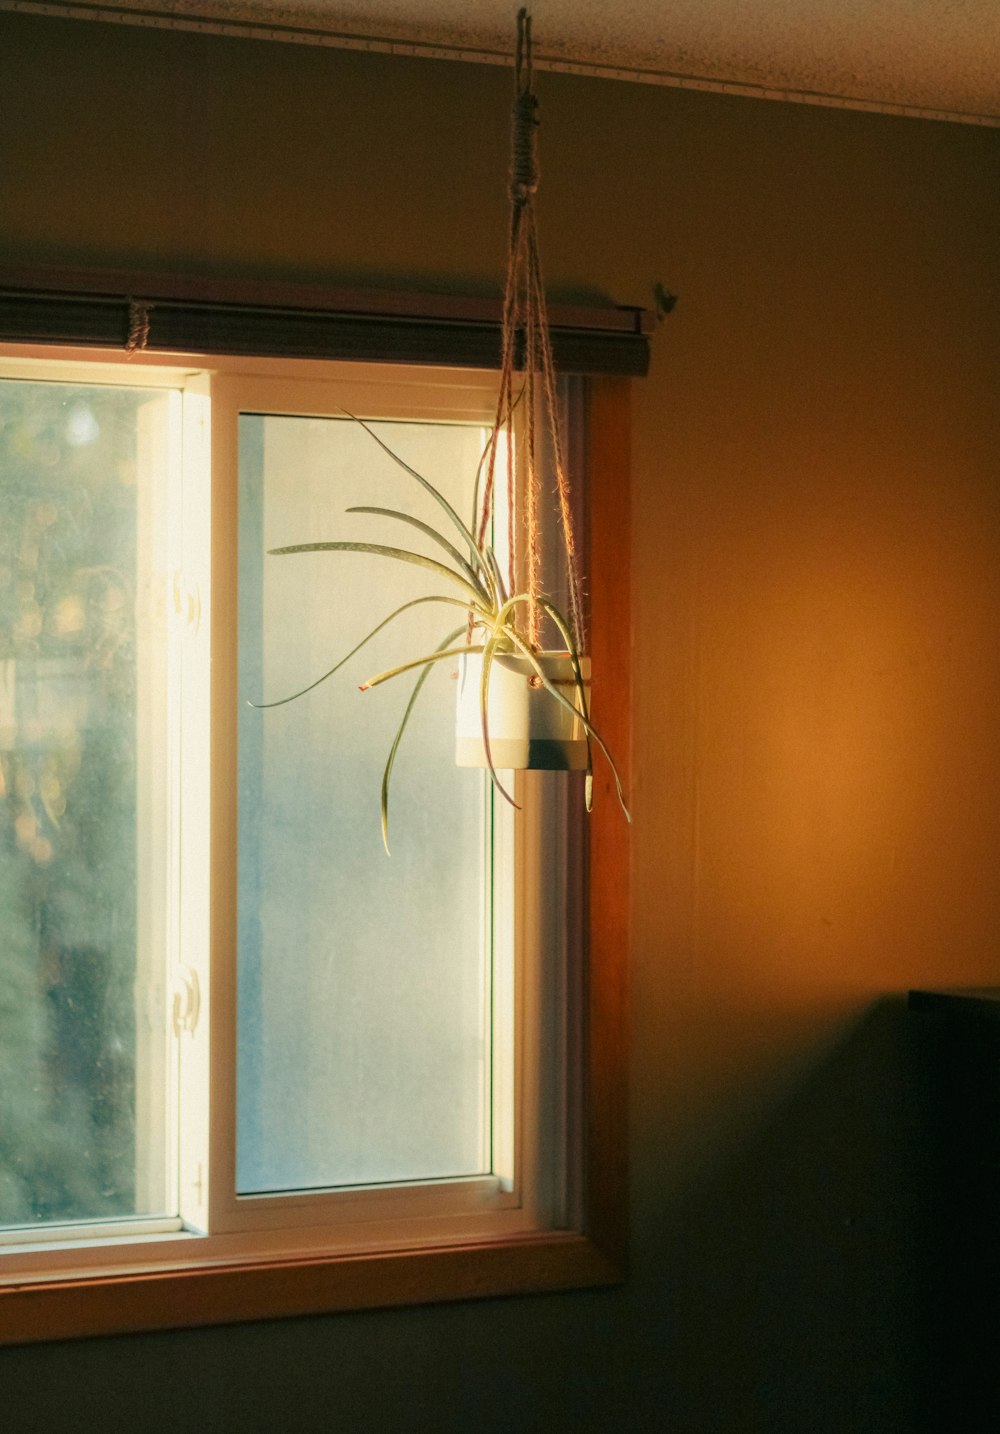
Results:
363 978
81 992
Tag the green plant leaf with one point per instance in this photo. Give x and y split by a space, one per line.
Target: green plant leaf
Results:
494 567
437 656
401 555
479 473
497 640
436 537
427 486
399 736
415 602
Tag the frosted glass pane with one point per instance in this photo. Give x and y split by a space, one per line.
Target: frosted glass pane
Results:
363 979
81 1011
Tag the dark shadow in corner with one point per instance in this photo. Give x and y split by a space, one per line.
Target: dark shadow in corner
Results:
811 1283
958 1051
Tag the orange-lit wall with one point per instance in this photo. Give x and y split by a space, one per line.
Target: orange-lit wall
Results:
817 607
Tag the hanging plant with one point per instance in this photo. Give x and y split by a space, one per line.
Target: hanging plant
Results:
520 705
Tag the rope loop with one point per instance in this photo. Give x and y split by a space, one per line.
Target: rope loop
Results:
522 66
524 119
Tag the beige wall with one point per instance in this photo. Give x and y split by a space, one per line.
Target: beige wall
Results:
817 797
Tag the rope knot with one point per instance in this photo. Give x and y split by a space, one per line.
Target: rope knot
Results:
524 148
138 326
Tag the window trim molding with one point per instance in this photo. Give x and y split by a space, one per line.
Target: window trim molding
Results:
247 1288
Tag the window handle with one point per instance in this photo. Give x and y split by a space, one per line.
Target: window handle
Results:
186 600
187 1000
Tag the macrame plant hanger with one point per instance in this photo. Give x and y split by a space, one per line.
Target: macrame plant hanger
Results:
518 705
526 336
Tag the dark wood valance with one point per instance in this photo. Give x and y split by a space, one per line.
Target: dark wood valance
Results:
175 314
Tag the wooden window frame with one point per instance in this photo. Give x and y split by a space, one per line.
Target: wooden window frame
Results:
594 1254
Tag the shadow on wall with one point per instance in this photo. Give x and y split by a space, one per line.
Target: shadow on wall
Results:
809 1284
813 1281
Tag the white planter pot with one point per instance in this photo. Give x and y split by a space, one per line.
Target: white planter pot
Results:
528 727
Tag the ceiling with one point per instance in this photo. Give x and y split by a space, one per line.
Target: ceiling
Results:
928 55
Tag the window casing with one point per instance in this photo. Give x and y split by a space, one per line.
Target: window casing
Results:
548 1212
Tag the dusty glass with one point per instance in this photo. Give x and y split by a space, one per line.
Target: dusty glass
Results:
82 1045
364 980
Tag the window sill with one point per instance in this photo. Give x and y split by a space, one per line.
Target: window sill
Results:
278 1288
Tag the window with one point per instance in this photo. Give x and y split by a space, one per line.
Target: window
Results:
244 1051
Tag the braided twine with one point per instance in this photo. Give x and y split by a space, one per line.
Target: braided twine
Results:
525 317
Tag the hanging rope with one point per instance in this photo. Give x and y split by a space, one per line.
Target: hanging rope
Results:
525 318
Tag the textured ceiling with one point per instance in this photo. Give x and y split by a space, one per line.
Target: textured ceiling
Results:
938 55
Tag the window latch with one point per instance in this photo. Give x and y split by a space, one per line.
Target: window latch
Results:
186 598
187 1001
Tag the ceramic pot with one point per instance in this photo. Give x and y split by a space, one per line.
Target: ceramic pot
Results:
528 728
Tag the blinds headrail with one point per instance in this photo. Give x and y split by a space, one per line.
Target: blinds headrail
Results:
179 314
